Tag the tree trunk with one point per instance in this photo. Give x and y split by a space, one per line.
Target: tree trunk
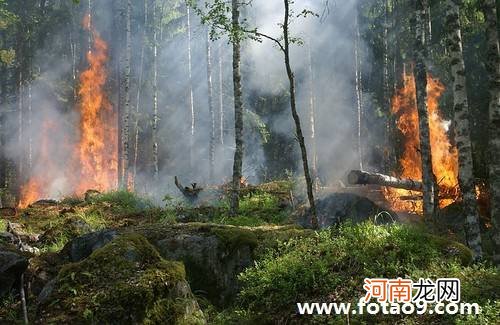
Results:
238 111
139 88
190 95
155 95
126 110
462 130
221 98
359 106
211 150
493 65
386 100
428 177
296 118
312 119
359 177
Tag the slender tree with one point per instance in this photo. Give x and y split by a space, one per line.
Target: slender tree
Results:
312 117
357 74
155 93
221 98
284 46
139 89
493 65
190 89
295 115
211 150
420 72
462 129
126 109
238 108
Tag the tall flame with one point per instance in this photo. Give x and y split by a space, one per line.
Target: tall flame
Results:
98 148
95 156
444 155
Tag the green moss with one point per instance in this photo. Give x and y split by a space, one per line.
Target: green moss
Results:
119 283
235 237
3 225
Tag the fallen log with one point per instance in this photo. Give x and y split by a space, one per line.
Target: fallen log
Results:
359 177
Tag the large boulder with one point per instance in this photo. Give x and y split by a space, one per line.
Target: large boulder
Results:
81 247
340 207
214 255
124 282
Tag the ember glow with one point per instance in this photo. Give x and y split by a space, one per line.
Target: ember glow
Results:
94 156
444 155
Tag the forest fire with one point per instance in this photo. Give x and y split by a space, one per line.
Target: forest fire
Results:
97 151
444 155
94 157
37 185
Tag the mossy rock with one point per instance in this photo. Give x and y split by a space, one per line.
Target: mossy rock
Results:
214 254
124 282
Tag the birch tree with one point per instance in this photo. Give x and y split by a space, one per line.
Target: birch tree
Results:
154 132
462 129
139 88
420 72
126 110
211 149
493 66
190 88
238 108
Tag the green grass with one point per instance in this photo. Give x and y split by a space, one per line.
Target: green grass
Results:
3 225
331 266
123 202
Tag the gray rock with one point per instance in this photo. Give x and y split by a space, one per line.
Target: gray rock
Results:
211 268
12 266
81 247
340 207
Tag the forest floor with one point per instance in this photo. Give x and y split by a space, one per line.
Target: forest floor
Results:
118 258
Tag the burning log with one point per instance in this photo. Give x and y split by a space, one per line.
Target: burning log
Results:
189 192
359 177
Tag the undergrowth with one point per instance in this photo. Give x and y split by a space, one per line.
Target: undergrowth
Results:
331 266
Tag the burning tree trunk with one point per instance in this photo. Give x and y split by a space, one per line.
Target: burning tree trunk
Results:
386 100
155 94
126 110
428 178
359 177
493 65
238 111
462 130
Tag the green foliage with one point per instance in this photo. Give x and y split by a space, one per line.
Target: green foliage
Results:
332 266
123 202
3 225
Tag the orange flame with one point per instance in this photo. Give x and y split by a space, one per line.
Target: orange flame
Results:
95 156
97 151
37 186
444 155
